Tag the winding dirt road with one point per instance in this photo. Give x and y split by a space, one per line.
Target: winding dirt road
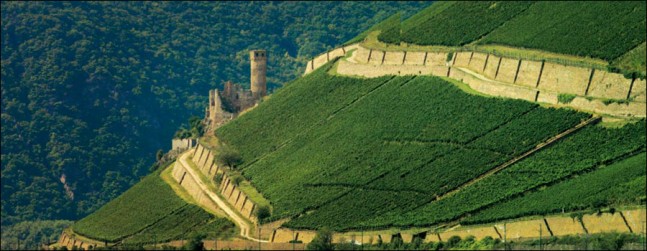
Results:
242 224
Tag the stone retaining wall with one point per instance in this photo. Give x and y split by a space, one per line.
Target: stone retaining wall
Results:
237 198
564 79
513 78
638 90
564 226
550 226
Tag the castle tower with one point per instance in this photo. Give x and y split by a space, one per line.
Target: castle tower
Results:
258 63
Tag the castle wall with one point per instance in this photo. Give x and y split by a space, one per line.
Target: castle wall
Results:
182 144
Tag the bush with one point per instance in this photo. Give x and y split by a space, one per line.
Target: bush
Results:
262 212
217 178
453 241
236 179
322 240
565 98
228 157
195 242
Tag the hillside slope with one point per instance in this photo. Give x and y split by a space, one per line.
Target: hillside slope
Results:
420 152
599 30
376 152
91 90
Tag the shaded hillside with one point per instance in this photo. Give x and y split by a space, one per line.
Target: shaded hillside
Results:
91 90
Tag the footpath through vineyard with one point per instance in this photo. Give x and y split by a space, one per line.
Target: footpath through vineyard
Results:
238 220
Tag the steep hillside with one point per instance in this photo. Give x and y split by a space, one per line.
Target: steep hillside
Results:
420 155
377 152
91 90
151 212
596 30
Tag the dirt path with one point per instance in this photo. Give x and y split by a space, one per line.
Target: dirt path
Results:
242 223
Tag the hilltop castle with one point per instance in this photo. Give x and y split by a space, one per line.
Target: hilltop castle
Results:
227 104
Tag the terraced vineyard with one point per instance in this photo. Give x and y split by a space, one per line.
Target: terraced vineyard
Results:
598 29
418 151
381 157
561 27
620 183
148 212
459 23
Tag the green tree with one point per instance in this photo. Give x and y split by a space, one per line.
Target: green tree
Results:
322 240
195 242
228 157
262 212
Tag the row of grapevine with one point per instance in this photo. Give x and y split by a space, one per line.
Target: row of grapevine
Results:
144 204
411 135
589 148
459 23
620 183
593 29
176 226
291 110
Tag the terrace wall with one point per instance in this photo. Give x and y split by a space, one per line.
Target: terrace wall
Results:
535 81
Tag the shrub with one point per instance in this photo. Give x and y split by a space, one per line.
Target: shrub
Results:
262 212
228 157
565 98
322 240
217 178
453 241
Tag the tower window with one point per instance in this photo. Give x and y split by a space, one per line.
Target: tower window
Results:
255 54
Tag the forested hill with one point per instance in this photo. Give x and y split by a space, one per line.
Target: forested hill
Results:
90 91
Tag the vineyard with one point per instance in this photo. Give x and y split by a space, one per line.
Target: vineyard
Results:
148 211
612 31
389 149
617 184
567 27
459 23
585 150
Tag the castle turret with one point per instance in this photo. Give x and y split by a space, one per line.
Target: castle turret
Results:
258 63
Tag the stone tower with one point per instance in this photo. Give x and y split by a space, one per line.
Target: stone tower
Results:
258 63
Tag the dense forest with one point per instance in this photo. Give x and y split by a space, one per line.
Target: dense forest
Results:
91 90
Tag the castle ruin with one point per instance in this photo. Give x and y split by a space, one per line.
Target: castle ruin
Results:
227 104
